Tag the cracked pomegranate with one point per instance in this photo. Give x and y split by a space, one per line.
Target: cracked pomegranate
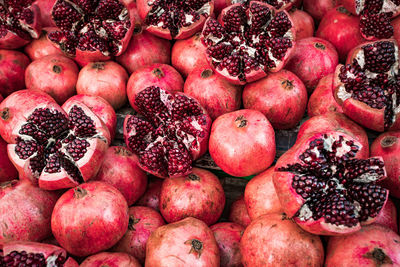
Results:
45 7
42 47
12 71
110 259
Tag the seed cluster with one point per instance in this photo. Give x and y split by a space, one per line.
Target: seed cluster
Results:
24 259
12 13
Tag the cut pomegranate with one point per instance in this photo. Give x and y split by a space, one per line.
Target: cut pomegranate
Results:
172 134
248 42
278 4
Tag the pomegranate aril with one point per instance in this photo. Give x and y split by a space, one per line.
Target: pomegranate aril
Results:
83 124
23 258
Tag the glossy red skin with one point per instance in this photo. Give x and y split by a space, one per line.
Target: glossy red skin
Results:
219 5
120 169
214 94
312 59
303 23
55 75
356 249
45 12
170 245
105 79
238 213
12 71
388 216
281 97
111 259
282 240
396 27
41 47
90 218
25 212
387 145
260 195
228 237
7 169
151 198
199 195
318 8
142 222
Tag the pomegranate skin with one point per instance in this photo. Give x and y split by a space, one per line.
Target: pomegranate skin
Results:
318 8
90 218
151 198
12 71
45 7
303 23
41 47
199 195
388 216
396 28
238 213
110 259
7 170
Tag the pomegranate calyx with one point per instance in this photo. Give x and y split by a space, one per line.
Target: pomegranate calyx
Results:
379 256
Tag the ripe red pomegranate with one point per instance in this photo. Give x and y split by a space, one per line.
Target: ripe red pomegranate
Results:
396 29
12 71
188 242
367 87
120 169
42 47
111 259
91 213
303 23
388 216
238 212
7 169
275 240
215 94
281 97
324 185
55 75
248 42
312 59
373 245
25 212
144 49
318 8
142 222
92 30
278 4
228 237
172 134
242 142
151 198
45 7
387 146
59 148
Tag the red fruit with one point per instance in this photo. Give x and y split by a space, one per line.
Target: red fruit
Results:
318 8
120 170
373 245
144 49
42 47
12 71
238 213
188 242
366 87
219 5
116 259
324 185
228 236
215 94
59 148
91 213
242 142
388 216
312 59
7 169
55 75
280 96
260 195
248 42
396 28
199 195
151 198
173 133
278 4
25 212
142 222
303 23
274 240
45 7
387 146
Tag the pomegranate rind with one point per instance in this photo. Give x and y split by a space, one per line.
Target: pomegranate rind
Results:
33 247
111 259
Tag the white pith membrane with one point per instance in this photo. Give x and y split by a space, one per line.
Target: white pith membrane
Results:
278 4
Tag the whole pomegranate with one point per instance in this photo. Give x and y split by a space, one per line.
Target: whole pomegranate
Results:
281 97
42 47
105 79
12 71
188 242
388 216
303 23
7 169
91 213
45 7
55 75
151 198
284 243
242 142
318 8
312 59
110 259
238 213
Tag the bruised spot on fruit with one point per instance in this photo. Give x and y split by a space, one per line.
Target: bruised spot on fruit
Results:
196 247
379 257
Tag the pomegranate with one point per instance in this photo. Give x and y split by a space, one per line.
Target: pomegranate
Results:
144 49
248 42
278 4
142 222
41 47
388 216
281 97
219 5
238 213
109 259
7 169
215 94
260 195
45 7
120 169
12 71
312 59
188 242
242 142
151 198
396 28
284 243
318 8
91 213
228 237
55 75
387 145
303 23
161 75
25 212
173 133
199 195
59 148
373 245
105 79
368 88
